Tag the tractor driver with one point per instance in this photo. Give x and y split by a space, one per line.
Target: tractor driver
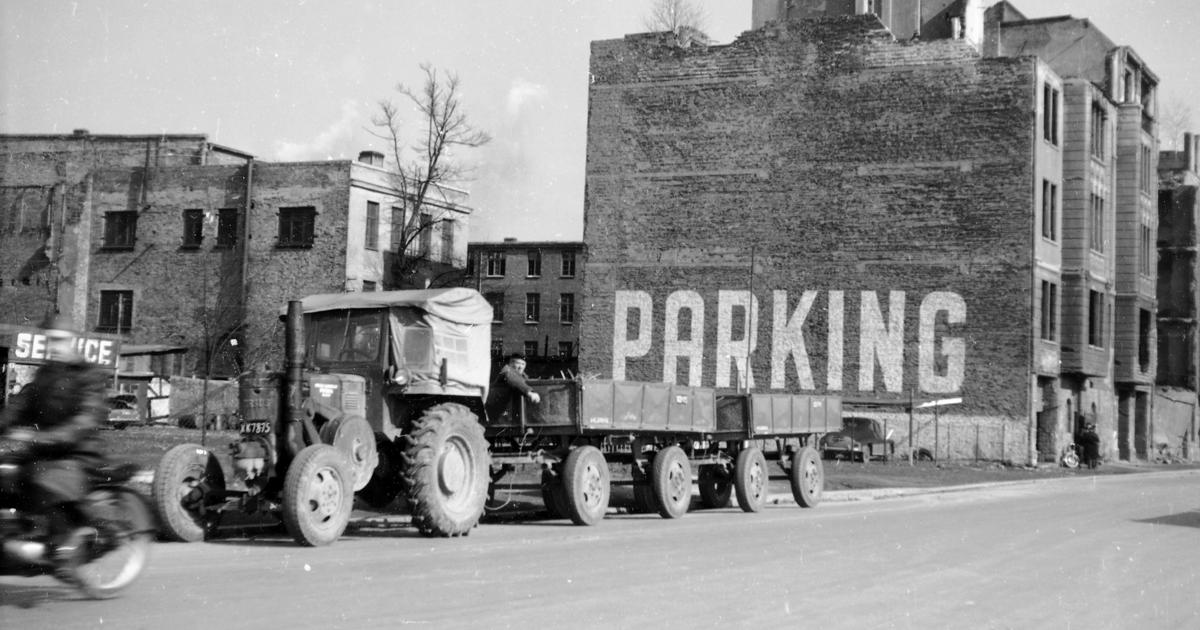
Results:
509 383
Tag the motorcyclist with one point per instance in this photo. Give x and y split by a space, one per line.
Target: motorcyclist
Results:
55 421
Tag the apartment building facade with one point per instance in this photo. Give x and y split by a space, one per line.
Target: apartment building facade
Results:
921 214
176 240
535 289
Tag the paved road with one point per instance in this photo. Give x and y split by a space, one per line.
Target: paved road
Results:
1101 552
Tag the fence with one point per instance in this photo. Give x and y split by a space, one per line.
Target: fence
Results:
187 402
956 438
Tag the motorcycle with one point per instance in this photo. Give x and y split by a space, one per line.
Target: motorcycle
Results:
106 562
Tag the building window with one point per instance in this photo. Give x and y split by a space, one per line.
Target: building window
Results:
1050 114
1144 331
120 230
1149 249
368 286
497 347
1099 129
296 226
531 348
227 227
496 299
1049 210
495 264
1096 319
1096 231
371 239
193 228
533 264
397 228
533 307
1149 181
566 308
448 241
568 264
565 348
426 234
116 312
1049 311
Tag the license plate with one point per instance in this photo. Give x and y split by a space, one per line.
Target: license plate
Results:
256 428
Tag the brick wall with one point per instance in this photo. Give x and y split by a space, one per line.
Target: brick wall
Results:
881 191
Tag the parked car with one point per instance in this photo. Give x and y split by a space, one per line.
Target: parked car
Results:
123 411
860 439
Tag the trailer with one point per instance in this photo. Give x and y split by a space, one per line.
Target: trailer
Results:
662 432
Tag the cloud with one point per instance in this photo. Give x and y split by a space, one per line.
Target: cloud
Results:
523 92
325 145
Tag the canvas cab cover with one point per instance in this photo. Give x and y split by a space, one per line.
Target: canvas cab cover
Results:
425 329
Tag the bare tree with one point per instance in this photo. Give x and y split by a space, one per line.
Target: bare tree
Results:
1175 118
684 18
423 170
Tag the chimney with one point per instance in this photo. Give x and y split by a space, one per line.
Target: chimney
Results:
374 158
510 239
80 133
1191 143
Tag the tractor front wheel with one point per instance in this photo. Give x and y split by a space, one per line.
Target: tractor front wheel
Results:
446 471
187 482
318 494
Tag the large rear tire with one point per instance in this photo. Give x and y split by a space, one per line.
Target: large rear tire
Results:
807 477
318 494
586 485
187 481
671 478
121 549
715 486
751 479
446 471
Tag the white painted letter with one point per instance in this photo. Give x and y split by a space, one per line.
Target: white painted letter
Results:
739 350
882 342
623 347
837 334
693 347
787 340
954 349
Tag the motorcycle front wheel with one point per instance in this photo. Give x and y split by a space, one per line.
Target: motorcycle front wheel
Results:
118 554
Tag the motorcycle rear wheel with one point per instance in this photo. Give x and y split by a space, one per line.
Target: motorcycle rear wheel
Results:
119 553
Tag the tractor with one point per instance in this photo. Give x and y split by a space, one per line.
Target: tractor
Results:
382 394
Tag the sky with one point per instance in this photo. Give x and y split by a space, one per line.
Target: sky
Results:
301 79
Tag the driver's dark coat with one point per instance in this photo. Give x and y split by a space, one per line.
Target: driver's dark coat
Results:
508 385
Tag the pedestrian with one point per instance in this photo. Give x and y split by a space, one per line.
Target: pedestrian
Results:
508 386
1090 441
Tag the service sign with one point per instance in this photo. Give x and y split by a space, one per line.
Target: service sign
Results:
30 347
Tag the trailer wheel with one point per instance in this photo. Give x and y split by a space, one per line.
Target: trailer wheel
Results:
446 471
554 495
353 437
386 481
643 493
586 485
317 495
715 487
751 479
187 480
671 478
807 477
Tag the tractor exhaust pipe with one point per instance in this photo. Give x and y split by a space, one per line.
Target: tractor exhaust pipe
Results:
294 375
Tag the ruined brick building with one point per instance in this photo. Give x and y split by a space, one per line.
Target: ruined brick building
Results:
172 239
893 200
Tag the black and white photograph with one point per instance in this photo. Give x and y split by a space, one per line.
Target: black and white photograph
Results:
599 314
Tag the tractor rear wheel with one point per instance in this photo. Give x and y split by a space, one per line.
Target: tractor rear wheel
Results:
807 477
446 471
751 479
671 478
318 494
187 481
